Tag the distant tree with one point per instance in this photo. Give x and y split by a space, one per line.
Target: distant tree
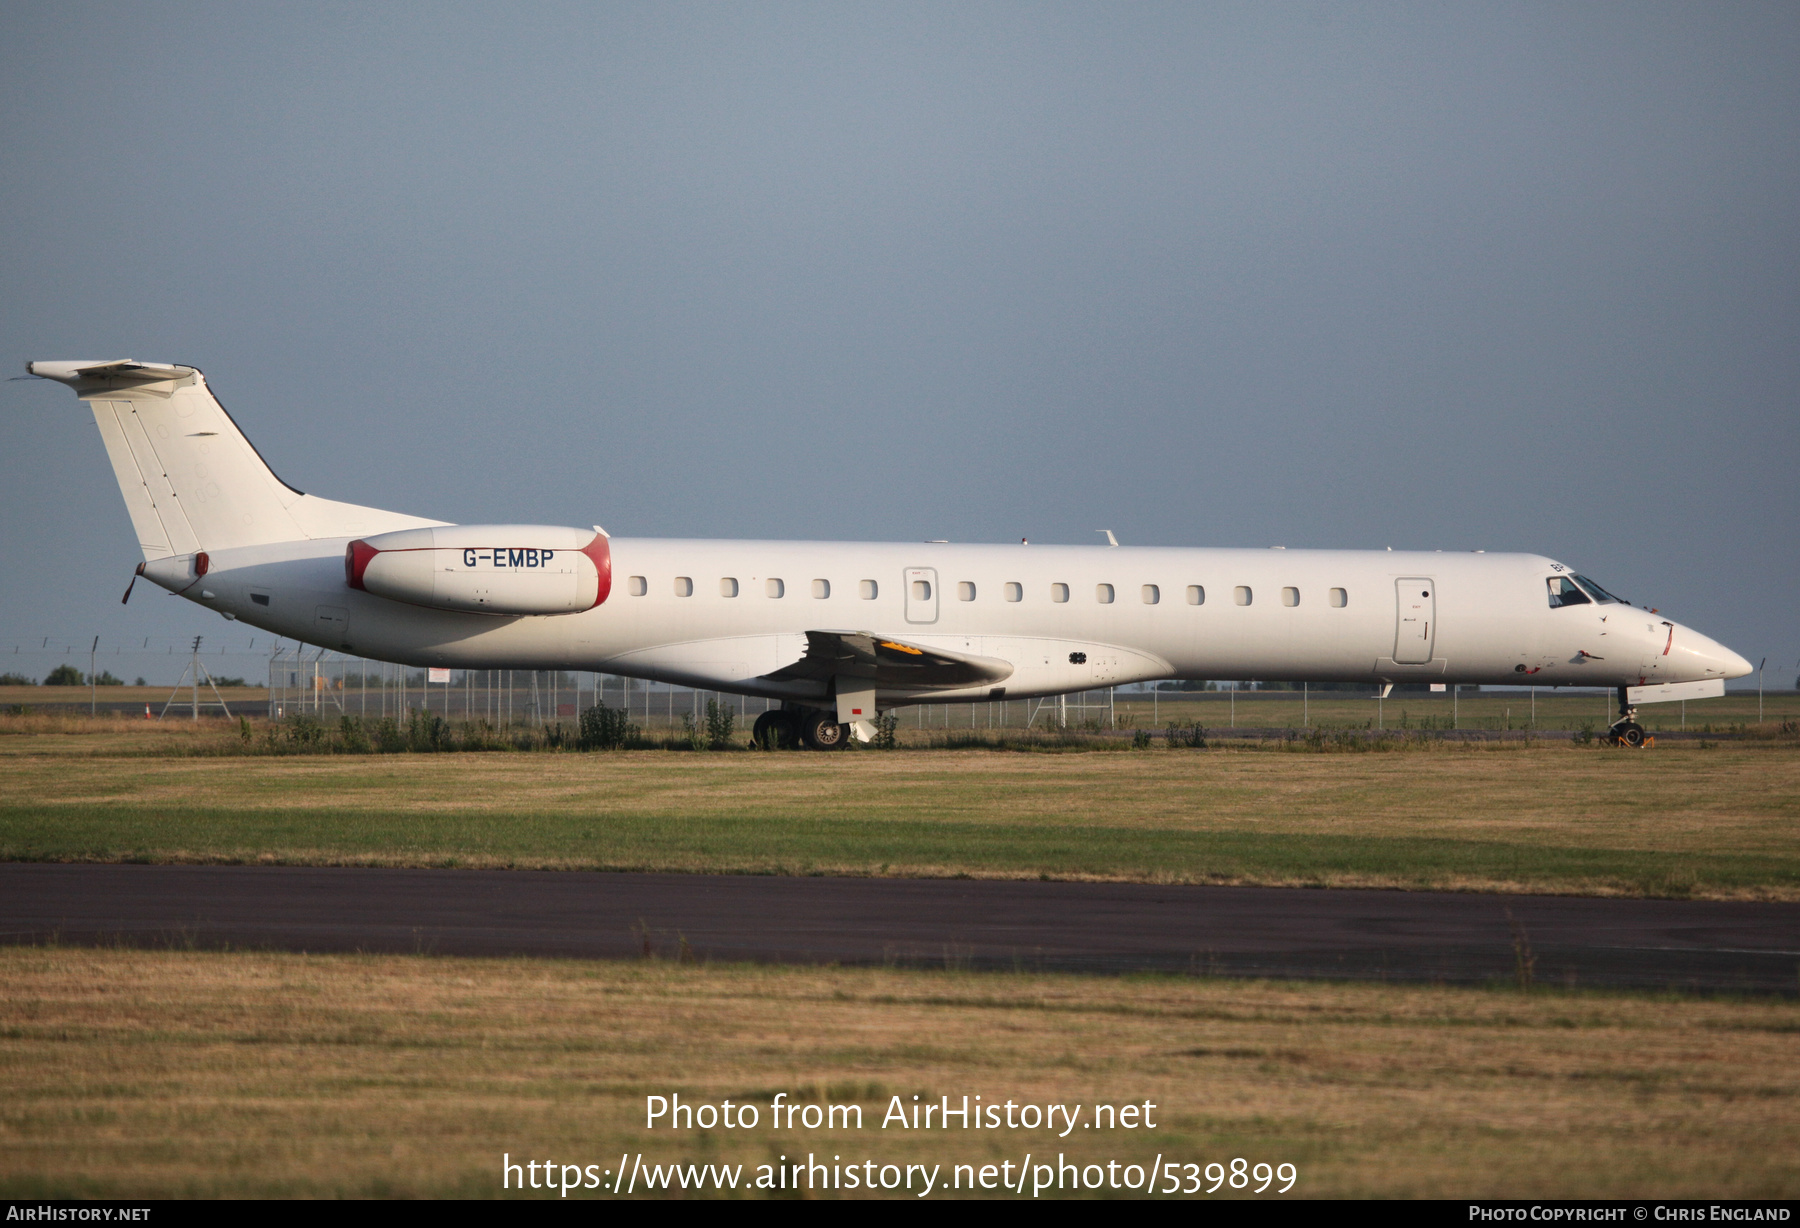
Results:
16 680
65 675
140 682
106 679
228 682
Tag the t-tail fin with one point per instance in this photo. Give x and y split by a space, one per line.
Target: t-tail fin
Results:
190 478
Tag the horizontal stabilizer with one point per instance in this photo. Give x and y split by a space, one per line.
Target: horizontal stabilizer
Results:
120 369
889 663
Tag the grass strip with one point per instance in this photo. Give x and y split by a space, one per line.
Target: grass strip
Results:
715 843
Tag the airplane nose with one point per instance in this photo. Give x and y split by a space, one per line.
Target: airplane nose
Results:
1736 666
1699 658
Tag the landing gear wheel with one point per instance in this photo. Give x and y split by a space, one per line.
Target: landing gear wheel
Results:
1629 734
822 732
775 731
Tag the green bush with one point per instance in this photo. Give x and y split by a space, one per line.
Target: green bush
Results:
352 735
17 680
427 732
304 732
719 722
1179 736
604 728
65 675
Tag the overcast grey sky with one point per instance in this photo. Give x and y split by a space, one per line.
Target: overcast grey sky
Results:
1511 277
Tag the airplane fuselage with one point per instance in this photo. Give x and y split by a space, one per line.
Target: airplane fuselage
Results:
725 614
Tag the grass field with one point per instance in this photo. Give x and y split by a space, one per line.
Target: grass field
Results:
1709 820
182 1074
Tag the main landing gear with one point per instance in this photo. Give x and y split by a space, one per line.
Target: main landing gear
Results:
787 729
1626 731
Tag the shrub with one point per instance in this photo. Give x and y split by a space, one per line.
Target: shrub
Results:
1140 739
65 675
887 732
604 728
17 680
719 722
427 732
351 733
303 731
1178 736
389 739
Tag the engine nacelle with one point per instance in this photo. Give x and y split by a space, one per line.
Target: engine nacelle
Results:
485 568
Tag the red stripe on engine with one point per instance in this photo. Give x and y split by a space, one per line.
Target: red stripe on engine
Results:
600 551
356 561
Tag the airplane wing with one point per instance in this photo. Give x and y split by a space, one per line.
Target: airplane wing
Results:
888 663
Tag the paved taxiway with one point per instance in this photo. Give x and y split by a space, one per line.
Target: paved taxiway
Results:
1095 927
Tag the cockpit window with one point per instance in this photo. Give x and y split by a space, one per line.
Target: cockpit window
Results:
1597 593
1564 592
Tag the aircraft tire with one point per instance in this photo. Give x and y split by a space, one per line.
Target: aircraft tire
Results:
822 732
1630 734
776 731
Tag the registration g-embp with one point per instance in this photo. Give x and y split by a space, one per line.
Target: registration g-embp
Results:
530 556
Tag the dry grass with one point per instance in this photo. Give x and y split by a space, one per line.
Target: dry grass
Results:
192 1074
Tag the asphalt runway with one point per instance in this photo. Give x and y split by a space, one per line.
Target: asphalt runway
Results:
964 923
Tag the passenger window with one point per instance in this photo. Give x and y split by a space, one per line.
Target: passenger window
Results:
1196 594
1242 594
775 588
921 590
637 586
821 589
869 589
727 587
1151 594
1290 596
1564 592
965 590
1015 591
1339 598
684 586
1103 594
1059 592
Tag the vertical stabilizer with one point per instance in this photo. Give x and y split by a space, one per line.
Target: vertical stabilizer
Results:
190 478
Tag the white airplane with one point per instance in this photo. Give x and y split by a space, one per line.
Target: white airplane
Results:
840 631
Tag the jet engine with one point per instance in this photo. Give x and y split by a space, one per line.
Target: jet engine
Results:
508 569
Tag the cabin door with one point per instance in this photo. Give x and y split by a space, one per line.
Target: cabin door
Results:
1417 600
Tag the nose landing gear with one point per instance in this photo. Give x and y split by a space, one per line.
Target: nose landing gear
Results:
1626 731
